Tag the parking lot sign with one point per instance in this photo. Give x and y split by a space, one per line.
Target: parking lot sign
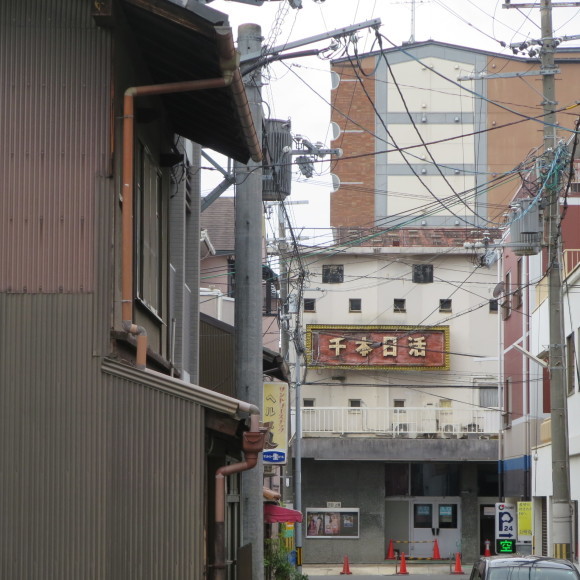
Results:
505 528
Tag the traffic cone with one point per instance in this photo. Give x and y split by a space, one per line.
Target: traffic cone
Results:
436 554
457 569
390 552
487 551
345 566
403 567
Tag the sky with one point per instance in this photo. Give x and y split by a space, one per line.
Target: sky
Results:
299 89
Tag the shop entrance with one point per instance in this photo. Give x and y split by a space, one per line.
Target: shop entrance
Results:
435 519
487 527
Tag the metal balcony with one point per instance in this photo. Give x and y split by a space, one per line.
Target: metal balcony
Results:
396 422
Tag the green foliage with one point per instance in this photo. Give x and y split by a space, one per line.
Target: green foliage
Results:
276 563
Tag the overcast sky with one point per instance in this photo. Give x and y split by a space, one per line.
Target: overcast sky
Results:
299 89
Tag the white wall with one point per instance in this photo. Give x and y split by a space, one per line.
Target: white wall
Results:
377 280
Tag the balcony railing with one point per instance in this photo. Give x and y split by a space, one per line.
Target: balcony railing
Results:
410 422
571 261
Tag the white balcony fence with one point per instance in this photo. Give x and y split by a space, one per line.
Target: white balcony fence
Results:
412 422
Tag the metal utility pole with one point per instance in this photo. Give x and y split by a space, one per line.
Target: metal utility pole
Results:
561 504
248 313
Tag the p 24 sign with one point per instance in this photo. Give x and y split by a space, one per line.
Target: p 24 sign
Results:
505 521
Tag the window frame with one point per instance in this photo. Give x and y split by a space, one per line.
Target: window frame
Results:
445 305
310 300
350 305
571 363
397 307
148 231
507 297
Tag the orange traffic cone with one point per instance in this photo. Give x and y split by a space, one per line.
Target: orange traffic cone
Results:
457 569
487 551
403 567
345 566
436 554
390 551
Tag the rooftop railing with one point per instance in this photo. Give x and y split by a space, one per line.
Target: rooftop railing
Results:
410 422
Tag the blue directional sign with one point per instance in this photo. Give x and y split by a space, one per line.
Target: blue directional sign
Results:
274 456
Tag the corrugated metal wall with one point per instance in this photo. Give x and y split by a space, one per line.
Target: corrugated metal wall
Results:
155 529
54 437
54 93
100 477
216 355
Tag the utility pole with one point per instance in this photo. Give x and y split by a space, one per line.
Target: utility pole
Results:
248 312
298 438
248 296
561 504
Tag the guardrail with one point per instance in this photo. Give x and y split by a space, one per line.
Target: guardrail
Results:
425 422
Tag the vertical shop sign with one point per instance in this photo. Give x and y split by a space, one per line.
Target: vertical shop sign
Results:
275 417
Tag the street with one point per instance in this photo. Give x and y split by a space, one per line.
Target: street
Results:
440 571
432 576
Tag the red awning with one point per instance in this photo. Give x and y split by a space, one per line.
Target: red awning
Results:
275 513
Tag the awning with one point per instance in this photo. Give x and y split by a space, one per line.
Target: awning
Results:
275 513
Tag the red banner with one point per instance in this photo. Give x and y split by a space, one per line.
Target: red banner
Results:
388 347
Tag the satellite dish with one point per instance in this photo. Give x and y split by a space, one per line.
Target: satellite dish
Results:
335 182
334 80
335 129
498 290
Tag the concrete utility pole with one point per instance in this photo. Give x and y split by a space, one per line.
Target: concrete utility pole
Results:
248 313
248 295
298 444
561 504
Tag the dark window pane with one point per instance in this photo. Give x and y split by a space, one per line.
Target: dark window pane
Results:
493 305
399 305
445 305
422 515
447 516
422 273
434 479
332 274
354 304
397 479
487 480
309 304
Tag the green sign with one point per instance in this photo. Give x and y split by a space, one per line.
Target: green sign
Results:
505 546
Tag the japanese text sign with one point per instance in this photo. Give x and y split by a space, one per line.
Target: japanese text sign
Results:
524 521
378 347
275 417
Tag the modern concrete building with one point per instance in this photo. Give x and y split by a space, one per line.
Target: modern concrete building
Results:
400 415
397 443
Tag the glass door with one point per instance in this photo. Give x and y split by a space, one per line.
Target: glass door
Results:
435 519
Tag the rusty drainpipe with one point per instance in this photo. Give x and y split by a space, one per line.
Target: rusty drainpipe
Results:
253 443
231 75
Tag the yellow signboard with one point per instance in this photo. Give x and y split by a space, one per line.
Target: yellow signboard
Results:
524 521
275 417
